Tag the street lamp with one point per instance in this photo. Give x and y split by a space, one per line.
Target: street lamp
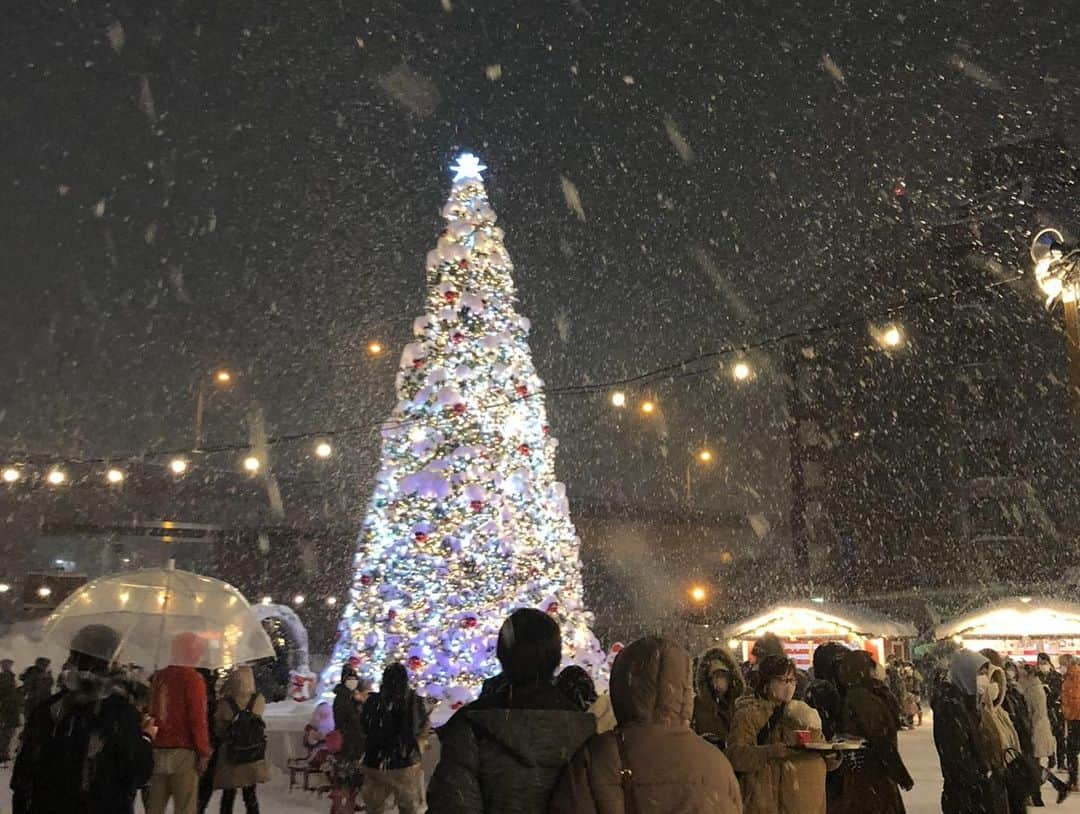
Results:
115 476
374 348
11 475
221 378
648 407
698 594
178 466
618 399
251 464
1057 271
741 371
323 449
56 477
704 457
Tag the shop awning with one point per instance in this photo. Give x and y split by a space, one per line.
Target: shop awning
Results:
1016 617
792 620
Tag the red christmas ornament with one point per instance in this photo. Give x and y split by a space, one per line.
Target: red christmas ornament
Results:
457 338
415 662
546 429
391 614
476 505
421 537
464 263
354 661
524 449
450 296
469 621
553 608
417 364
365 579
617 648
459 408
522 390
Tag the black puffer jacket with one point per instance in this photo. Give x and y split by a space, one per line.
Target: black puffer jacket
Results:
84 752
504 753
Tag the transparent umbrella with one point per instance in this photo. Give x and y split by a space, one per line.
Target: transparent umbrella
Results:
164 616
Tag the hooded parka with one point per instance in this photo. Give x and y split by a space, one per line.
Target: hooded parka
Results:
671 768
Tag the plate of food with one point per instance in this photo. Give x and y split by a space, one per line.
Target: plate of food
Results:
849 745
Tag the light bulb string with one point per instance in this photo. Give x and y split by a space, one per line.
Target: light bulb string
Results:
670 371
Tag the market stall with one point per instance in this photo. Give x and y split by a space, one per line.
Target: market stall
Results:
1020 627
802 626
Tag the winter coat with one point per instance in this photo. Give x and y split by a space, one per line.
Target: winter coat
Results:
794 784
672 769
504 752
57 770
397 733
1016 708
179 706
712 713
240 687
1042 736
1070 693
997 726
347 721
10 701
823 693
968 785
869 711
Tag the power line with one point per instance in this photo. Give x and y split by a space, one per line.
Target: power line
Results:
670 371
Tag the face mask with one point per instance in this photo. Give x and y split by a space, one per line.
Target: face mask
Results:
720 683
352 683
982 685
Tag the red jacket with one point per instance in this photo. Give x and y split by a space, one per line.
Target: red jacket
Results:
1070 693
179 705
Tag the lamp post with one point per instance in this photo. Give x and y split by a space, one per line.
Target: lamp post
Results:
1057 271
220 378
703 457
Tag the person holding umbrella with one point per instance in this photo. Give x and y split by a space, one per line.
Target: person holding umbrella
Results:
182 746
87 749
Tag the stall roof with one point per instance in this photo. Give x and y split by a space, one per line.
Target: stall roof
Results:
1016 617
859 621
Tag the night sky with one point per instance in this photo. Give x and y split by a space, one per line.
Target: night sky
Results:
255 184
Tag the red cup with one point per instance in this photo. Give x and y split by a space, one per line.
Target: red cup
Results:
802 737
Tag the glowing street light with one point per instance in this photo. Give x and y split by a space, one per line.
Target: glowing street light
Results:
114 476
223 377
705 456
56 477
741 371
44 591
374 348
323 449
178 466
267 600
618 399
331 601
698 593
1057 271
298 599
11 475
4 587
648 407
252 464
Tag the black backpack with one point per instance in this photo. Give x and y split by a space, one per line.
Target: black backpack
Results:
245 739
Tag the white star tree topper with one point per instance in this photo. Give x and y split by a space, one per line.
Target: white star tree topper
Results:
468 167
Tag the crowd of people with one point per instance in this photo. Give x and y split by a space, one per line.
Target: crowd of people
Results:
672 734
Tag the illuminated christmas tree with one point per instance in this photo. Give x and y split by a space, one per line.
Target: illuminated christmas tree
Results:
467 521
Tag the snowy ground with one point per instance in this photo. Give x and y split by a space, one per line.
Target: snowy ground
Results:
917 747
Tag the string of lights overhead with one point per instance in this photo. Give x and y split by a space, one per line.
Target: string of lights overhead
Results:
884 328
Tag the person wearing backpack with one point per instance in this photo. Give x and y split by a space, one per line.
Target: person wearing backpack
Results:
87 748
240 728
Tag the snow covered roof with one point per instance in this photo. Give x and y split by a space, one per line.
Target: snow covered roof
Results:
790 619
1016 617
